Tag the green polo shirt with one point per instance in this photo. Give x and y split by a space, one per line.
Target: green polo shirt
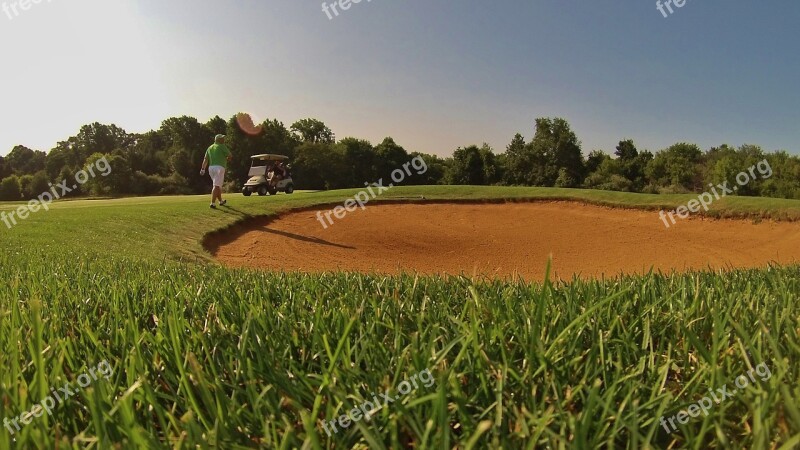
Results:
218 154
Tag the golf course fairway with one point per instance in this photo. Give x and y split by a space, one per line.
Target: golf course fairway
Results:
206 356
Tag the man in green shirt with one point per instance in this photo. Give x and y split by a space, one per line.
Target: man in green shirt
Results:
216 159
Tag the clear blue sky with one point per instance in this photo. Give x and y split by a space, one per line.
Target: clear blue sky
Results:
435 75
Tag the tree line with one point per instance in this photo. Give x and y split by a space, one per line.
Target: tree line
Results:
167 161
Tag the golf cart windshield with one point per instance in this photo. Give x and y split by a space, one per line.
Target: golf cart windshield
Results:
268 158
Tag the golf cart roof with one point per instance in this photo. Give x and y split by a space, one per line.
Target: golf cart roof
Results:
268 157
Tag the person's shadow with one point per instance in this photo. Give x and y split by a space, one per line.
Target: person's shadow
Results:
300 237
233 211
227 210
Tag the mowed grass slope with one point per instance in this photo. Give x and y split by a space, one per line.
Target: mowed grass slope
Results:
204 356
158 228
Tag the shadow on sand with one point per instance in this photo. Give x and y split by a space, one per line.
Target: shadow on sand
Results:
300 237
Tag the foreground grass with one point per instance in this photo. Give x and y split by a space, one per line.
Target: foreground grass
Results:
209 357
244 359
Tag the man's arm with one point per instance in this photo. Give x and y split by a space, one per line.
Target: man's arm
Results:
205 165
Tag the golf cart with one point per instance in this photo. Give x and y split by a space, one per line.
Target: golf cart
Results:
269 175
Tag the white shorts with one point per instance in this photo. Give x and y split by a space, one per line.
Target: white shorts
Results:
217 174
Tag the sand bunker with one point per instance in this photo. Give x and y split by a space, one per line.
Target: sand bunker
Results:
501 240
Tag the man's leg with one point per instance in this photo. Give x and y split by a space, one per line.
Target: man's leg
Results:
216 195
213 185
221 182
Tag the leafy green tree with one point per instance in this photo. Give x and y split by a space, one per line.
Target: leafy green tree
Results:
182 164
314 131
217 125
95 138
500 167
68 174
785 179
518 162
186 141
624 173
24 161
317 166
490 165
433 170
725 163
166 161
714 155
278 139
10 189
466 167
39 184
144 155
724 168
70 155
5 168
389 156
636 170
118 178
595 158
55 161
750 155
359 160
608 176
632 164
564 179
472 165
186 133
554 147
25 182
626 150
144 185
676 168
64 154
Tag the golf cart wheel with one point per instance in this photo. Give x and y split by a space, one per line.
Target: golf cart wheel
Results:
273 192
247 192
262 191
290 189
